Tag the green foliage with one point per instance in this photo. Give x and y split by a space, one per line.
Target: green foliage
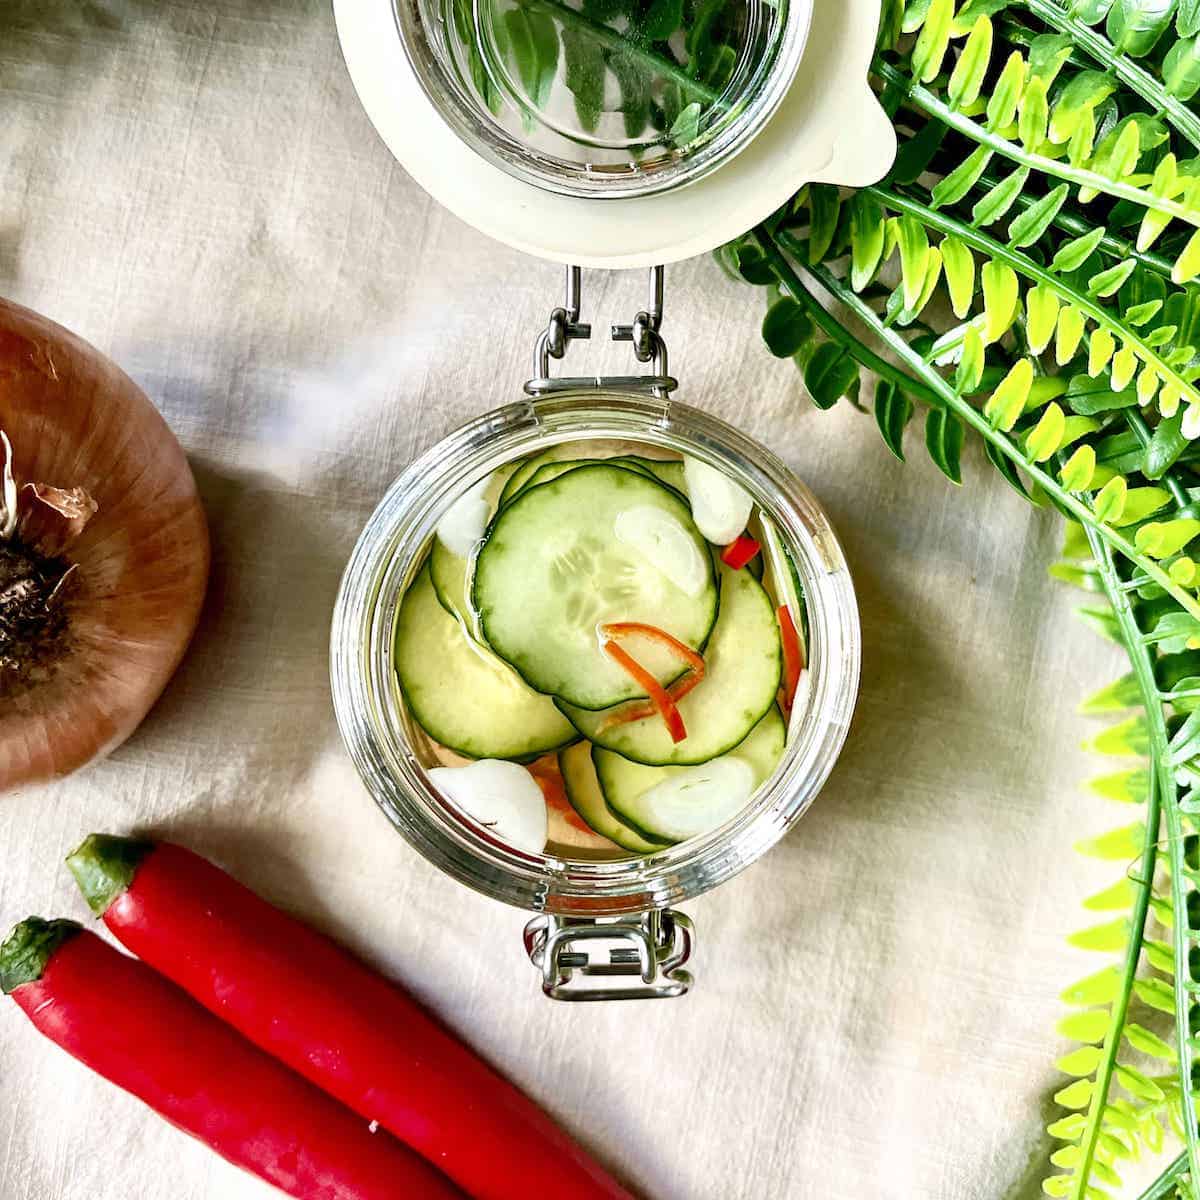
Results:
1024 275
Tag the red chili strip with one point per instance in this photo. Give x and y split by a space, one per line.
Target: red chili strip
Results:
641 709
614 629
793 660
657 693
740 551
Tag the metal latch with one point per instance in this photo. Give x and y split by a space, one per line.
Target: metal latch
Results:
644 332
652 946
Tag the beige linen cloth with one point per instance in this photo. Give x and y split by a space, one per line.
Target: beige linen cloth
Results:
193 187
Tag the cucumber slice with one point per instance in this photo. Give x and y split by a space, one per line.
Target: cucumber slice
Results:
583 791
600 543
463 696
744 661
699 798
552 470
521 473
450 576
668 471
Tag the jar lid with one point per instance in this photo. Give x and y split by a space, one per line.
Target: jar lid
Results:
604 98
619 133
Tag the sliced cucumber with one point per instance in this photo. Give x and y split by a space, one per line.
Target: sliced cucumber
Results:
463 696
600 543
583 791
522 472
681 802
667 471
743 660
450 576
552 470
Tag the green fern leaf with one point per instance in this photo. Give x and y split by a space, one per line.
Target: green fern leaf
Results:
1037 218
1101 987
866 240
1000 198
1000 296
893 411
1128 787
932 41
1073 254
966 80
958 263
1121 694
944 440
953 187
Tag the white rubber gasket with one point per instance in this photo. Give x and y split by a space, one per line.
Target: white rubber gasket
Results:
829 128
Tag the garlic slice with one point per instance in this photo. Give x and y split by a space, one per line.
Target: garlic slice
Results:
501 796
462 527
660 539
696 799
720 507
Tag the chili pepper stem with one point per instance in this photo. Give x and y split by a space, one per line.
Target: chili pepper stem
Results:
29 947
104 866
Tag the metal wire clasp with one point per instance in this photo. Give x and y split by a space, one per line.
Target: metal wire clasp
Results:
653 946
644 332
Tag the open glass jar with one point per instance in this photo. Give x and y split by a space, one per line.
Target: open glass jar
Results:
588 901
607 133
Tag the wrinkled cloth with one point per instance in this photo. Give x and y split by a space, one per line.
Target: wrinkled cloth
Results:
195 188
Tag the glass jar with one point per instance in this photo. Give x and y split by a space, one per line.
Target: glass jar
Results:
627 900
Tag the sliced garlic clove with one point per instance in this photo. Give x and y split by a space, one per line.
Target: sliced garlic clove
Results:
720 507
696 799
501 796
664 543
462 527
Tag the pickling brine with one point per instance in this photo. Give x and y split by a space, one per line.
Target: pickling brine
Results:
602 651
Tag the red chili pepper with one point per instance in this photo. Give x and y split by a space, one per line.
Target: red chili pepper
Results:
549 778
684 651
740 551
142 1033
314 1007
793 659
662 702
641 709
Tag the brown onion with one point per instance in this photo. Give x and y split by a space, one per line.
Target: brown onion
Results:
103 551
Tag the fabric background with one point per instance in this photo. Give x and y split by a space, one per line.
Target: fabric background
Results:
194 188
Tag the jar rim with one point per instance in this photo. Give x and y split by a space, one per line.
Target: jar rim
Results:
390 549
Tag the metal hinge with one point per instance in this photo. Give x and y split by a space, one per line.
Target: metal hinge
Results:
652 946
644 332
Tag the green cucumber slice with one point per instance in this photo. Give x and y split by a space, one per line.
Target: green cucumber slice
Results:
450 575
460 694
744 661
586 798
635 794
667 471
548 471
522 472
600 543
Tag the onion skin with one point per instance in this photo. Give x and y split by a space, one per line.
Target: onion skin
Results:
75 420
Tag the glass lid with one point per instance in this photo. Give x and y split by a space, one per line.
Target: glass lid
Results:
604 98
